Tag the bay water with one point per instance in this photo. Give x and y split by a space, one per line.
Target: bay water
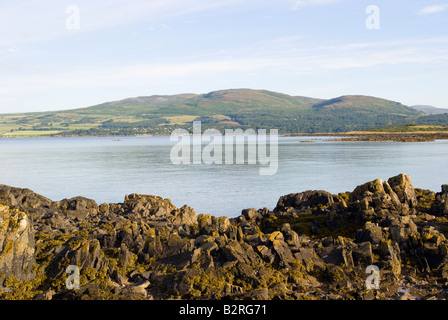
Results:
106 169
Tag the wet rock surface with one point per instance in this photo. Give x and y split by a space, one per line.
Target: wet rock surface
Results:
313 245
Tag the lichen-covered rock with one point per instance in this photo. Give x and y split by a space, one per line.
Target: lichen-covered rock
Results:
16 245
281 248
83 253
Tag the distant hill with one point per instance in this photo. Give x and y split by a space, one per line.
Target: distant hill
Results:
244 108
430 109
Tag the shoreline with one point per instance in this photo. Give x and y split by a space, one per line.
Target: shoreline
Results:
343 136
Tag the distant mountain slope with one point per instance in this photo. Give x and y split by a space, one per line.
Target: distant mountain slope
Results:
430 109
244 108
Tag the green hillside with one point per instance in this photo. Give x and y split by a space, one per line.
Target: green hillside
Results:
244 108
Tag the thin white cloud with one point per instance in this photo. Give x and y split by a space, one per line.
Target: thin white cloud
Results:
302 3
433 9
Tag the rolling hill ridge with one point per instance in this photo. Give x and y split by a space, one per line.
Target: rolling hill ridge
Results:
244 108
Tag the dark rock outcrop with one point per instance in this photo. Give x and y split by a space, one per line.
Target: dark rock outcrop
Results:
313 245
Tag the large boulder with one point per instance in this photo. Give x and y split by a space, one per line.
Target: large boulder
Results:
24 200
79 208
377 199
374 200
366 189
402 186
137 206
16 245
304 202
81 252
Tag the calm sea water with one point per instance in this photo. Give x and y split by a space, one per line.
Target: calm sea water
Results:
106 170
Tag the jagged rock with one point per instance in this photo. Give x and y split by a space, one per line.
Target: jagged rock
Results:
362 254
251 214
223 225
281 248
371 233
241 252
266 253
204 220
24 200
291 237
232 290
404 231
367 189
434 248
58 223
16 245
137 205
394 198
209 224
444 188
440 205
347 256
402 186
124 256
78 251
185 215
209 246
93 291
104 208
392 260
305 202
376 200
79 208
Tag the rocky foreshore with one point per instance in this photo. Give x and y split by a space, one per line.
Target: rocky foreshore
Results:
313 245
381 136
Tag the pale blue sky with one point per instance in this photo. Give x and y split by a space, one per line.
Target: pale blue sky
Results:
128 48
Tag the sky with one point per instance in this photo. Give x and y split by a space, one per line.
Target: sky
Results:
58 54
